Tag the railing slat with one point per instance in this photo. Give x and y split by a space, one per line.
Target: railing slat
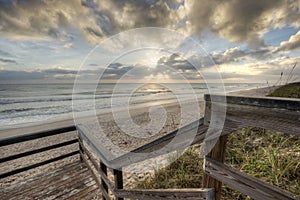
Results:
103 169
90 168
89 155
32 136
104 192
244 183
16 171
28 153
118 177
151 194
266 102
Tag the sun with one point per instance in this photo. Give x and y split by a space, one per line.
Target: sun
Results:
151 57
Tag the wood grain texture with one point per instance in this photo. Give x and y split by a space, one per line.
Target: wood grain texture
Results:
217 153
244 183
63 183
150 194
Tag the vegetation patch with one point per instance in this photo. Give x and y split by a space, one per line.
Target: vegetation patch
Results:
270 156
291 90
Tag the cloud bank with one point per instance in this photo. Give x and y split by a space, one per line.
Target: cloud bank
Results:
237 21
242 21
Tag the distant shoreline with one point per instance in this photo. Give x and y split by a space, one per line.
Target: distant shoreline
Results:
46 125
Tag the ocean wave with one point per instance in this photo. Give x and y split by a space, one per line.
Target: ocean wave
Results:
36 112
4 101
17 110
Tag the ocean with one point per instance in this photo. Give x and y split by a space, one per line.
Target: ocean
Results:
37 103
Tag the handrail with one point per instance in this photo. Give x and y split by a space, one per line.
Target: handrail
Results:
277 114
131 157
35 151
32 136
16 171
267 102
246 184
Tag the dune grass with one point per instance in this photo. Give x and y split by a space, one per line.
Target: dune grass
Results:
270 156
291 90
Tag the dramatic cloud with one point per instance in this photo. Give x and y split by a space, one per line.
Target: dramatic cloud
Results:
291 44
230 55
237 21
131 14
94 19
35 18
176 62
242 21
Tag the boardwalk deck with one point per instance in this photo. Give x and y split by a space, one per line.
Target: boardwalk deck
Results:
87 178
72 181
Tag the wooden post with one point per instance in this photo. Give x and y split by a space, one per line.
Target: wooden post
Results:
80 148
217 153
118 176
105 187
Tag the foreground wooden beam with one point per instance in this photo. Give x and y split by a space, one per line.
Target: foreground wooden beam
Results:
184 194
244 183
217 153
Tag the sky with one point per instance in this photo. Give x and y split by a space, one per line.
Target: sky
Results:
44 41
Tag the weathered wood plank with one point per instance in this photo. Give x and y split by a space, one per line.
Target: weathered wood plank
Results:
244 183
217 153
98 181
118 177
238 117
277 114
150 194
67 183
32 136
156 148
16 171
104 186
266 102
103 154
41 181
69 187
89 155
8 158
132 157
47 183
91 192
105 194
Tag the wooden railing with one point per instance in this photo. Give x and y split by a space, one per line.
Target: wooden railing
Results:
270 113
29 137
100 167
277 114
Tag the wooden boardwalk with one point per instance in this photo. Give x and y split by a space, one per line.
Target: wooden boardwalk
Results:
87 178
72 181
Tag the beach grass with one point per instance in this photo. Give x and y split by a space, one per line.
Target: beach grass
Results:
291 90
185 172
270 156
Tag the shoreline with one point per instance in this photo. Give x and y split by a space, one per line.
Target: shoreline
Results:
26 128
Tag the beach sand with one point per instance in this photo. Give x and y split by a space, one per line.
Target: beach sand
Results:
124 141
